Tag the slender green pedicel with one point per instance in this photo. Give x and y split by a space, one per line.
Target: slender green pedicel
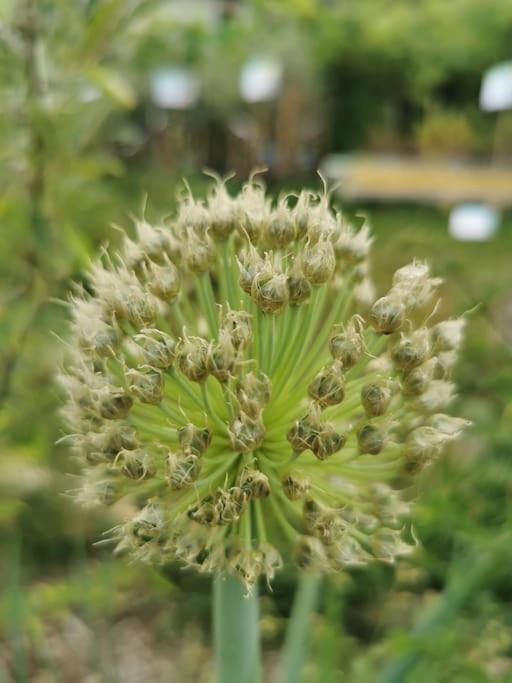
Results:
233 373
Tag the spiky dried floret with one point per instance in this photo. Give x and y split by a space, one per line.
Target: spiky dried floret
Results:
221 375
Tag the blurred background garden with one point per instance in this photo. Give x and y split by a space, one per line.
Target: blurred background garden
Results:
104 106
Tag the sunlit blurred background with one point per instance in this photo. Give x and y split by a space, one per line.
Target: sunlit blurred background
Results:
406 108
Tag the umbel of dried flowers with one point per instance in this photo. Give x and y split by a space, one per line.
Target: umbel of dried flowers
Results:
233 374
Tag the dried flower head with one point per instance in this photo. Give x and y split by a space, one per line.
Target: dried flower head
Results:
221 375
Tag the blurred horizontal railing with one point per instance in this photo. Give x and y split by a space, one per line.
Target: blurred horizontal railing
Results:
395 178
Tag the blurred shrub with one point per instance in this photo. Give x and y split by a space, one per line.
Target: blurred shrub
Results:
445 133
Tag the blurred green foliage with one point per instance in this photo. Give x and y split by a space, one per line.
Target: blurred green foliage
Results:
80 145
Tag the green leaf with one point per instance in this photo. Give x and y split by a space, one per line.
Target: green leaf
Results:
113 84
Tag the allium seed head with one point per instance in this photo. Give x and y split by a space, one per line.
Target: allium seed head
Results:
220 375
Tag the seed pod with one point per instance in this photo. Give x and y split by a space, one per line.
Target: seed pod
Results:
411 351
182 469
318 262
164 281
199 253
353 247
269 289
137 464
422 446
148 524
254 483
249 265
370 440
157 348
192 216
417 380
101 341
326 442
115 406
194 439
328 387
147 386
302 213
311 511
328 528
230 504
412 284
448 334
221 357
137 306
310 554
280 228
192 358
302 434
224 212
153 241
294 487
237 324
107 443
253 393
254 211
347 346
299 289
205 513
387 315
375 399
246 433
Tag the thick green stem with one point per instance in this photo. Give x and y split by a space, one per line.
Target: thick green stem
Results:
236 632
299 629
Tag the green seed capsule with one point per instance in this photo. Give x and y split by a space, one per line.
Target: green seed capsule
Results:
319 262
302 434
147 386
411 351
205 513
116 406
280 229
294 487
370 440
194 439
137 464
237 324
254 483
270 291
246 433
375 399
310 554
327 442
182 469
192 358
221 357
157 348
253 393
328 387
164 281
231 504
299 289
386 315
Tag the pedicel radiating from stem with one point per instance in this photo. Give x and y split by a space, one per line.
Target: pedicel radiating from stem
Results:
233 373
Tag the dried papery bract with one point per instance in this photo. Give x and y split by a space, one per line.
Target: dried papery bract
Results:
222 377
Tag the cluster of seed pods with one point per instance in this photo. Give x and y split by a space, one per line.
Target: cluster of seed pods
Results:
233 376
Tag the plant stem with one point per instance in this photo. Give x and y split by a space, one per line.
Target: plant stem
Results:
298 633
236 632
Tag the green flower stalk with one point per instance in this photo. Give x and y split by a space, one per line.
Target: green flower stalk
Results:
234 376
